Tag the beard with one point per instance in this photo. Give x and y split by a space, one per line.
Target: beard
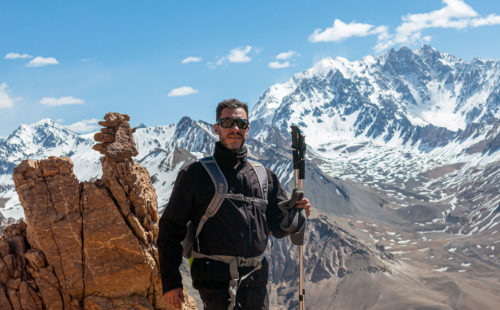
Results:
230 144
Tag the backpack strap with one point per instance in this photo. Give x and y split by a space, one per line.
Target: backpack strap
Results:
221 192
221 189
261 173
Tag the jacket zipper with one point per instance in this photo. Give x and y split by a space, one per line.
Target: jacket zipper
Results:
250 239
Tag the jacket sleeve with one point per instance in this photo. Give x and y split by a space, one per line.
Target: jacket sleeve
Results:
274 215
172 231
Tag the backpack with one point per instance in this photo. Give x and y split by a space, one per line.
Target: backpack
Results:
221 188
221 193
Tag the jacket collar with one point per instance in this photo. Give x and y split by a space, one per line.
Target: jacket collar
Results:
229 159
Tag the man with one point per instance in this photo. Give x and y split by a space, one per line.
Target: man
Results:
238 229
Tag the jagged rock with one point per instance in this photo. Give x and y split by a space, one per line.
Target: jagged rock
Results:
4 300
4 248
35 258
89 245
117 140
28 297
14 299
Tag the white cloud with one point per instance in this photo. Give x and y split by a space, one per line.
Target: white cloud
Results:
286 55
341 31
279 65
17 56
182 91
455 14
236 55
239 54
86 125
40 61
52 101
190 59
492 19
5 100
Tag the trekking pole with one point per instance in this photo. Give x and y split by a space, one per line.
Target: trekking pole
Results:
299 150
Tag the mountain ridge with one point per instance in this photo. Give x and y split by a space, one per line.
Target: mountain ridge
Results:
375 167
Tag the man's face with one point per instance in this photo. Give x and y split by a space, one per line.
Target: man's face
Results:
232 138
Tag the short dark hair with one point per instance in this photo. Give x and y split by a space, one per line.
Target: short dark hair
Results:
232 104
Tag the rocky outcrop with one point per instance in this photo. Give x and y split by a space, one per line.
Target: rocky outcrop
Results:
89 245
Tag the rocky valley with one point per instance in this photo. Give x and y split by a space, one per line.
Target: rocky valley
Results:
403 169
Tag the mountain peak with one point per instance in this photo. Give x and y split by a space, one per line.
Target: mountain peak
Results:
393 96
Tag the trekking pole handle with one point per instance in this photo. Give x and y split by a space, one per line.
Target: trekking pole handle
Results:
299 151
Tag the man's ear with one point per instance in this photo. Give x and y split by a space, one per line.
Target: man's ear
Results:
216 129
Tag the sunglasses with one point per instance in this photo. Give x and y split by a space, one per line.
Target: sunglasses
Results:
229 122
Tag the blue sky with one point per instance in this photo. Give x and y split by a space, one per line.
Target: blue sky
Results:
74 61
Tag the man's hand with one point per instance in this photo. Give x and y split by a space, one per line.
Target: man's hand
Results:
174 297
304 204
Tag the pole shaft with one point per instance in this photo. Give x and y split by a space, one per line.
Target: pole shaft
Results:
302 291
301 279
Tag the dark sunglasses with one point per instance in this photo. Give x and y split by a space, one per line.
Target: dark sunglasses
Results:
229 122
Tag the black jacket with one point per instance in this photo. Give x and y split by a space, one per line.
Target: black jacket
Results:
238 228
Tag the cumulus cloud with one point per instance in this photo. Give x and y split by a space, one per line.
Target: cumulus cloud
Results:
84 126
182 91
239 54
5 100
40 61
190 59
17 56
52 101
341 31
279 65
236 55
286 55
455 14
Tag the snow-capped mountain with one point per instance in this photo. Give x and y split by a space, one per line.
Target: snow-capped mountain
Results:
416 126
403 149
404 97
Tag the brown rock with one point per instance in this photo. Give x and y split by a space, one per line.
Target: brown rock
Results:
10 264
14 230
28 297
17 245
110 130
51 207
104 137
35 258
14 299
18 271
109 124
116 117
13 284
114 260
49 288
4 272
123 147
101 148
4 248
56 166
117 140
4 301
88 245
